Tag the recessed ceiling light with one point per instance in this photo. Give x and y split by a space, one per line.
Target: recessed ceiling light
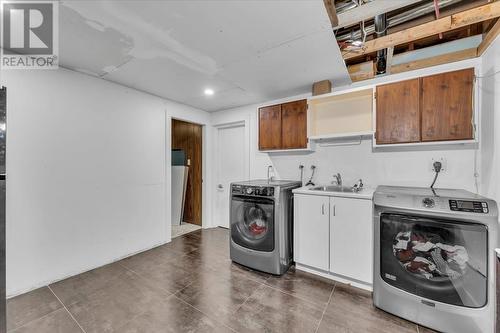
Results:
209 92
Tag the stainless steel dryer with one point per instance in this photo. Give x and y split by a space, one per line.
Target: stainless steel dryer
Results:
261 222
434 257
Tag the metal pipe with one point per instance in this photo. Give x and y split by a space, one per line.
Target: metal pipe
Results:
344 6
398 19
381 30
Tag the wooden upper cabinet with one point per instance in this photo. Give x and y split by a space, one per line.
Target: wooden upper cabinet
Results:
283 126
270 127
398 115
294 125
447 108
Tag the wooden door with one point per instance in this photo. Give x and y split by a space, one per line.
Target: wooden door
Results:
188 136
294 125
398 113
447 106
351 217
270 127
311 231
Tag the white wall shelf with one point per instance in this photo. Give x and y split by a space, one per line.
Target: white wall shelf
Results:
341 116
330 137
310 149
457 144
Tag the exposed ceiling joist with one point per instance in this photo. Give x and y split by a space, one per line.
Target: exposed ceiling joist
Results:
366 70
332 12
369 11
444 24
489 38
434 61
388 65
361 72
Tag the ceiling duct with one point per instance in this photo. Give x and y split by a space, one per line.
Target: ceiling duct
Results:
381 30
392 21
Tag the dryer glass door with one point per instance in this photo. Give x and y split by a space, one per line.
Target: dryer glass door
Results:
252 222
441 260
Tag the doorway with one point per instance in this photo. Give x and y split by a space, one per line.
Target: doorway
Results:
231 166
187 143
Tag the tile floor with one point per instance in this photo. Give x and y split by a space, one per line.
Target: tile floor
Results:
190 285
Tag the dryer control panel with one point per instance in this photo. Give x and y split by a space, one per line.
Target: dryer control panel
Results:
469 206
263 191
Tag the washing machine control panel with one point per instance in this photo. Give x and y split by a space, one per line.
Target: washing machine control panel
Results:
469 206
261 191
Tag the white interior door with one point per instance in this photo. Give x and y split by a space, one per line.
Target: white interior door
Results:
231 167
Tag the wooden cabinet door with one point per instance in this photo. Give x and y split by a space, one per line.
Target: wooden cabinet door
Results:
351 238
294 125
311 231
270 127
398 114
447 106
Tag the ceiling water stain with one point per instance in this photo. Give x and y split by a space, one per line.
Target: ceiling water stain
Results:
131 35
88 46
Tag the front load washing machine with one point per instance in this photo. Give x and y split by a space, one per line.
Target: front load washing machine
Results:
261 222
434 257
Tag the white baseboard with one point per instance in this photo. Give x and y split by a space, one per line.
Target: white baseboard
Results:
335 277
46 283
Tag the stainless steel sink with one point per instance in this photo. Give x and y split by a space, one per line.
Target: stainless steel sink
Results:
333 188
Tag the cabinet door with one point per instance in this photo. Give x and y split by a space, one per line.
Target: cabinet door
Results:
398 114
311 231
447 106
270 127
294 124
351 237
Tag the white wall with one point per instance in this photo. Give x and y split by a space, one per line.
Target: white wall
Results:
405 168
489 86
86 168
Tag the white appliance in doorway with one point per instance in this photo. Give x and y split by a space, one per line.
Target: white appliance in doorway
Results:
231 165
179 184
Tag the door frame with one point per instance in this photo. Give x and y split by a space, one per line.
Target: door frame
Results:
205 203
196 174
238 123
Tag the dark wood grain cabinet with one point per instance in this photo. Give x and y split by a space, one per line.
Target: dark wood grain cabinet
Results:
283 126
270 127
294 125
431 108
447 106
398 115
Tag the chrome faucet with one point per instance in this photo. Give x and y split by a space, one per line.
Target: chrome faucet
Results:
337 179
358 186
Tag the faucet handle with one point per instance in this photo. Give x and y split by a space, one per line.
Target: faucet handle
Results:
358 186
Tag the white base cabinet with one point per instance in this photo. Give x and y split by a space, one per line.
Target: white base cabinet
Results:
351 238
311 236
338 241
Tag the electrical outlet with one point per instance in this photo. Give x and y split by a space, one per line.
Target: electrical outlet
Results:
444 166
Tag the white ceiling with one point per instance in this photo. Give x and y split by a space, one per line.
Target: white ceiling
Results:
247 51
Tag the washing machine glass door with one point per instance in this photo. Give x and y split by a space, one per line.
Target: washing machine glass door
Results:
252 222
438 259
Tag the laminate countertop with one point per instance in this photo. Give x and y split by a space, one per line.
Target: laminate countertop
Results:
366 193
